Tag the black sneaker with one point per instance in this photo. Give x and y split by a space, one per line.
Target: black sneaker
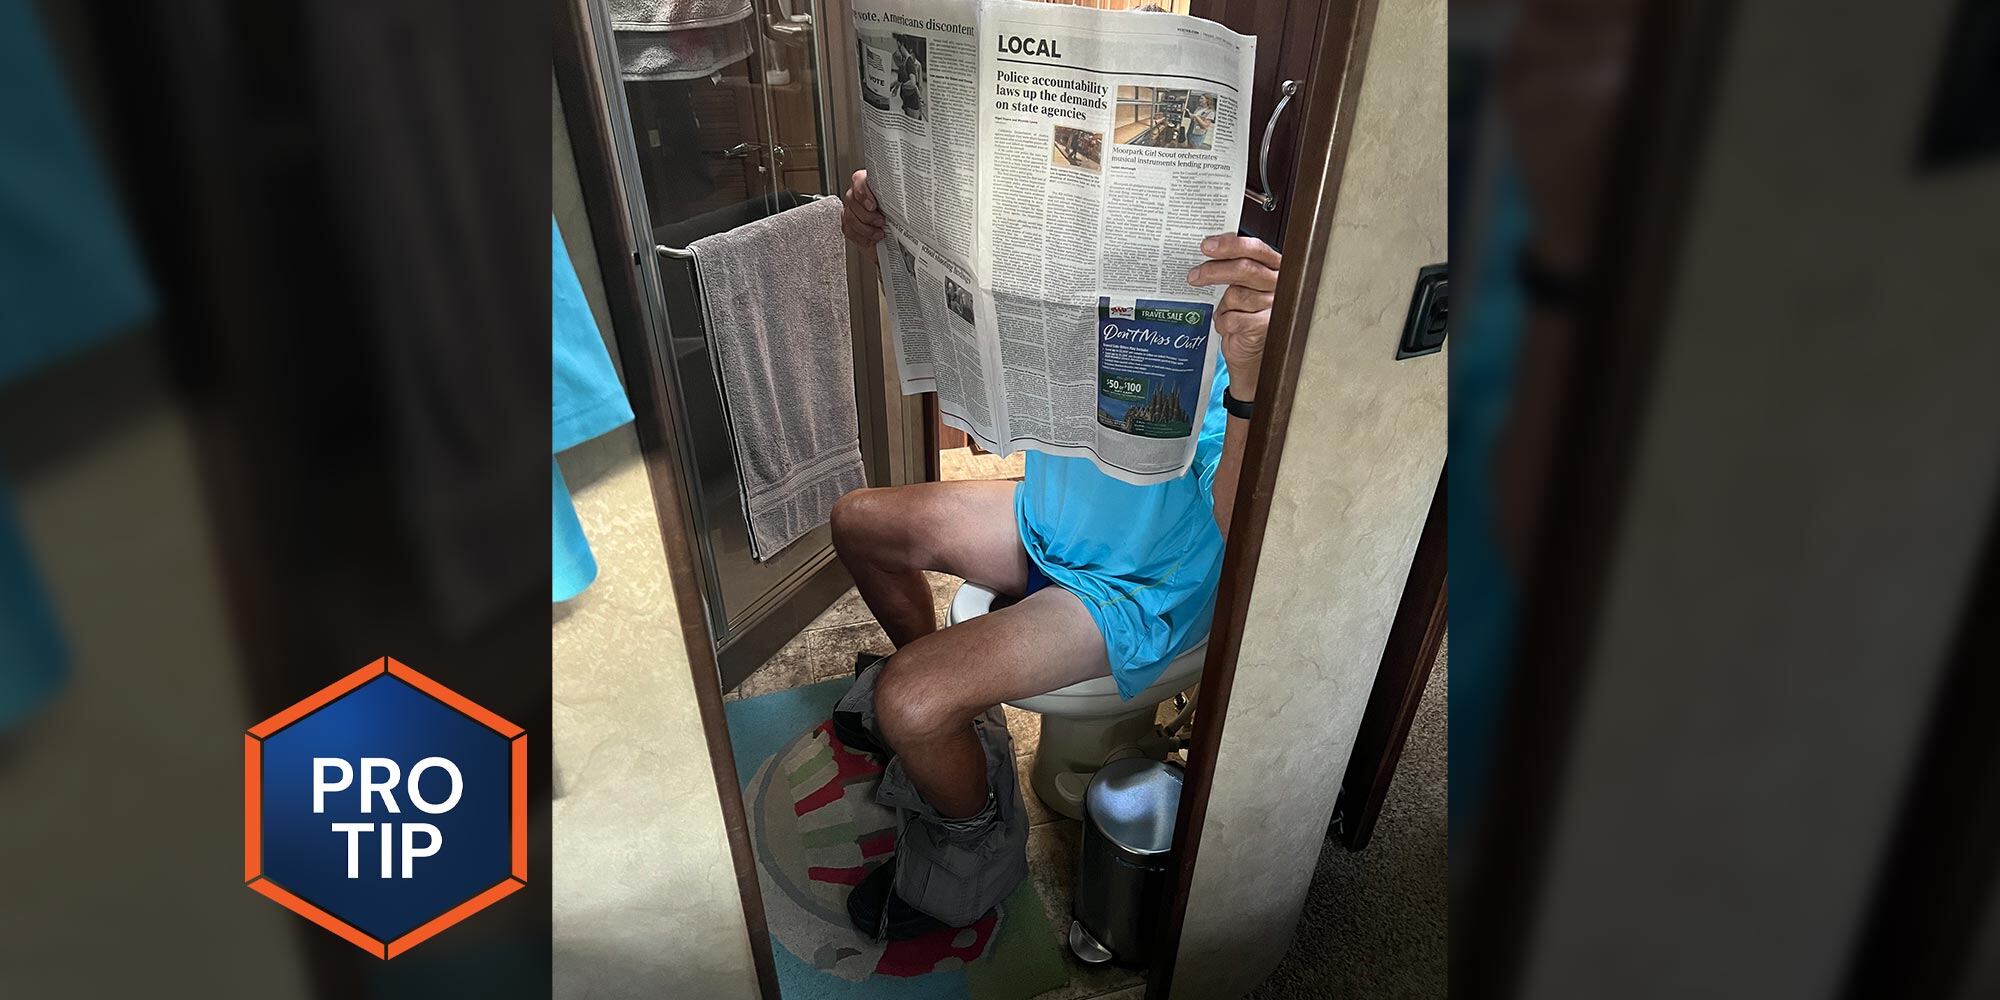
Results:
849 728
865 908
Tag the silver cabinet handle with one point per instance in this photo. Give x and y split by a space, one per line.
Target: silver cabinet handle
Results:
1265 199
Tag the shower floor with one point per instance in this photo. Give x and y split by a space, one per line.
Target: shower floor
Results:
825 650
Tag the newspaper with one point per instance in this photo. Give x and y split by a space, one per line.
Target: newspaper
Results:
1048 173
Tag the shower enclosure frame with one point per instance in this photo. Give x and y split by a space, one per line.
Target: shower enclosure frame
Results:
751 606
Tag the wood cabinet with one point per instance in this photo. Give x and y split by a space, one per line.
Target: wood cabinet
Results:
1285 30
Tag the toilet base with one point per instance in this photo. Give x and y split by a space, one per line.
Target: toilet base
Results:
1070 750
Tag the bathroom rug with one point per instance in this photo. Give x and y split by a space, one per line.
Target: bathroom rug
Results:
816 831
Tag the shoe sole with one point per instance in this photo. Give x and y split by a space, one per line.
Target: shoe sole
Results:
915 925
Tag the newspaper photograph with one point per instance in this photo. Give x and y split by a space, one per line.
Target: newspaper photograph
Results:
1048 173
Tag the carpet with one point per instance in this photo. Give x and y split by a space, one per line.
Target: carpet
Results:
816 831
1374 921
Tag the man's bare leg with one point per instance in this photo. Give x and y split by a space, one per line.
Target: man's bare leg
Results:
931 690
887 537
938 681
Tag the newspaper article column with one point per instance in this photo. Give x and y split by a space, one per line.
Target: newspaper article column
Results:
917 65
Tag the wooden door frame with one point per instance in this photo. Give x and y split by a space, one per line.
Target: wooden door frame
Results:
1289 45
1327 99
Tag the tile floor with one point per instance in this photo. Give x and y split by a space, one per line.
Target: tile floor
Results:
964 463
825 650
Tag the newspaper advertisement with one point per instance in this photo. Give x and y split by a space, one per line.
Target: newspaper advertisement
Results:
1048 173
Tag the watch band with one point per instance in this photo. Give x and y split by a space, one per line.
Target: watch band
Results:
1237 407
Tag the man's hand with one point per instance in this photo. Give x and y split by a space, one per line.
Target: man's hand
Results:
1250 268
860 218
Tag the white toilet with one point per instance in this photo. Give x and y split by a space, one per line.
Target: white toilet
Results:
1086 724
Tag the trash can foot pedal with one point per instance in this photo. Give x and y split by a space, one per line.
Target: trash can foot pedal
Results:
1086 947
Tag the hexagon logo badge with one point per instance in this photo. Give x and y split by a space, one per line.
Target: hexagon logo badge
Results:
385 808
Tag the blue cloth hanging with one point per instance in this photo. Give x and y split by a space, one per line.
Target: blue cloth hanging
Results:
572 566
69 275
587 400
69 280
34 660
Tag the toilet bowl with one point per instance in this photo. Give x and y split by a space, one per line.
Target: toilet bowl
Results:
1086 724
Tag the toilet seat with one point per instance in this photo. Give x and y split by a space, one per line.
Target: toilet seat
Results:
1098 696
1085 724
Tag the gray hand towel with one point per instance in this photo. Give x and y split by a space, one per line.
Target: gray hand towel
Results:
682 55
674 15
679 39
775 297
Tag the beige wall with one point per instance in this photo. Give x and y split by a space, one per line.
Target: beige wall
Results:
645 893
120 536
1361 461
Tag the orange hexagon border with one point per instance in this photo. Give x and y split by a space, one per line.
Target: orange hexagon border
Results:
253 807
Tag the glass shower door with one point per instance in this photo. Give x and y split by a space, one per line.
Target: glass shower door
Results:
724 104
726 120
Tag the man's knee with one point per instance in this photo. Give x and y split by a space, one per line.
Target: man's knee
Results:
852 514
911 708
869 524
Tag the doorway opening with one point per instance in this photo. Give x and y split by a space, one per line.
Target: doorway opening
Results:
961 459
775 651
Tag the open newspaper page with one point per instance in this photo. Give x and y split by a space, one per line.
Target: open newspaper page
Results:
1111 144
1049 173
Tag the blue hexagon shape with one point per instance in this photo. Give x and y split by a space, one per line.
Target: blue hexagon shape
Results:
385 808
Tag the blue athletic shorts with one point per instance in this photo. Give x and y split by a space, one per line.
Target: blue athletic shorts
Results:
1144 560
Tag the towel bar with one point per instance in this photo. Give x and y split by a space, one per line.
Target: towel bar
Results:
684 253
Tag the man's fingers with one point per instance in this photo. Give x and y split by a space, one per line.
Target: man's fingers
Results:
1246 299
859 232
1225 245
1237 322
863 194
852 207
859 200
859 196
1235 271
1243 331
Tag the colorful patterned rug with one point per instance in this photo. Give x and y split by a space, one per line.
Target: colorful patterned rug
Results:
816 831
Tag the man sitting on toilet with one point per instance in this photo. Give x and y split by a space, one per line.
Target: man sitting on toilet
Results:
1112 579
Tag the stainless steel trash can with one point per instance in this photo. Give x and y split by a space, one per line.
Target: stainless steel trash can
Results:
1123 872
